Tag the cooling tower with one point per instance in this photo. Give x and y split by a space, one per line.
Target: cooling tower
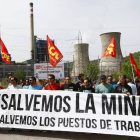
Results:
110 64
81 58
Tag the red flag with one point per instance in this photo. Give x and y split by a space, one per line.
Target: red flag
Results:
111 49
4 53
134 63
54 54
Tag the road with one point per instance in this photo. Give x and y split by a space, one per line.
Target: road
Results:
39 135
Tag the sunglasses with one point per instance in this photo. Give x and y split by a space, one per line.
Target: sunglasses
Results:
11 80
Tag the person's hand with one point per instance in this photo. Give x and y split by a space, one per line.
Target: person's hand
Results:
127 93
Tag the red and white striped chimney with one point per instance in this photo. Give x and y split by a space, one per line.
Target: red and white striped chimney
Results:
32 30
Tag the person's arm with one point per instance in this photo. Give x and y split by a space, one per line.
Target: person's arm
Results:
97 90
129 91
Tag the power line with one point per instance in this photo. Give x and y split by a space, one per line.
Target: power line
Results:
70 29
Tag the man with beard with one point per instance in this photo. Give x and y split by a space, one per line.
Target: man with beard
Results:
104 87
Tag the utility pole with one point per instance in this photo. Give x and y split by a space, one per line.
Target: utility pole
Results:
80 53
74 69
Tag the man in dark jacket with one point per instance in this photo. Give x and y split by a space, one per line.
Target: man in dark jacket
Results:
87 88
137 83
123 87
80 83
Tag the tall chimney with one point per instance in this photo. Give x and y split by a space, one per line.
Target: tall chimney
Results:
32 30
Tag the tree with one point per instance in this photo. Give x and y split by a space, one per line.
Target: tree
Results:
4 82
92 70
126 67
116 75
20 74
127 70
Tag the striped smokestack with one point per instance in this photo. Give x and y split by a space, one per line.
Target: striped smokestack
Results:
32 30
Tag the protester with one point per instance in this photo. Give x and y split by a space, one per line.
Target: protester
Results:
9 81
110 81
80 82
26 84
22 82
104 87
33 85
95 83
62 83
52 85
40 82
87 87
133 87
122 87
14 84
91 83
114 81
118 80
137 83
69 86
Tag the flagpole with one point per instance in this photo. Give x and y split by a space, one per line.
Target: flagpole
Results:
47 57
133 76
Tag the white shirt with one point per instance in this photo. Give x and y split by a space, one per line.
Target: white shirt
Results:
16 87
133 87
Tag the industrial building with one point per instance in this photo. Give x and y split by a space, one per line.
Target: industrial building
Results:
81 58
110 64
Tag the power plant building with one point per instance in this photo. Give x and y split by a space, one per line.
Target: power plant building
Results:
81 58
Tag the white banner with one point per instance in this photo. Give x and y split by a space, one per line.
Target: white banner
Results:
70 111
43 70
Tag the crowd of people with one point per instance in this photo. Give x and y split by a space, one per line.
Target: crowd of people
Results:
107 84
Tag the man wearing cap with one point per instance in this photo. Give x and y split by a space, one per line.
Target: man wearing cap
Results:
104 87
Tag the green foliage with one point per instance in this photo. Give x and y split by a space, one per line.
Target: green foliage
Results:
126 68
91 70
116 75
4 82
20 74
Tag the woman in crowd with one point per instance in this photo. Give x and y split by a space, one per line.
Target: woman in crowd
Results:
26 84
41 83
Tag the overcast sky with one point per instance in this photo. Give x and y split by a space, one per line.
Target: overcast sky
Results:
62 20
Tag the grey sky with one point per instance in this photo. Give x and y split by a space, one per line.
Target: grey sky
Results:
62 20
